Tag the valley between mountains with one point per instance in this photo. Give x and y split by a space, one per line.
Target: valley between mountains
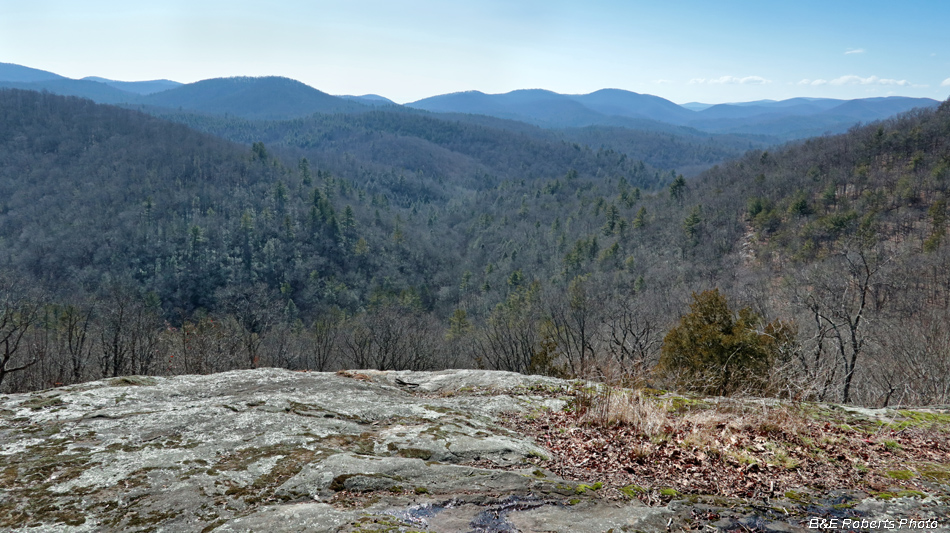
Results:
243 304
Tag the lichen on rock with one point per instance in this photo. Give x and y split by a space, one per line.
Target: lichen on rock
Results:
267 449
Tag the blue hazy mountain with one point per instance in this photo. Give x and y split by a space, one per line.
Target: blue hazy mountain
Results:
20 77
269 97
861 109
617 102
137 87
21 74
93 90
283 98
786 119
728 111
257 98
801 117
817 103
535 106
868 109
548 109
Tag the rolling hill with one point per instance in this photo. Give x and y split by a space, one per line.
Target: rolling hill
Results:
616 102
535 106
255 98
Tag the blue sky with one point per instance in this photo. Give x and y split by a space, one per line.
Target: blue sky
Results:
707 51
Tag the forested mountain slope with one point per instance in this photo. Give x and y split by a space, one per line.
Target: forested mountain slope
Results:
885 183
93 193
430 146
845 237
501 146
395 240
688 151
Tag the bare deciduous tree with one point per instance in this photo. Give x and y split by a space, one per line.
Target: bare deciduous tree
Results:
840 295
17 316
633 338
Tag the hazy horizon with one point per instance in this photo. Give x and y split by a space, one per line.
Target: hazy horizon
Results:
690 52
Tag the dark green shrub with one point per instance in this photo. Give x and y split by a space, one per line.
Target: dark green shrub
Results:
716 351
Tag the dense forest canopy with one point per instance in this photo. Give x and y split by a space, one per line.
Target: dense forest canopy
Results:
396 239
114 193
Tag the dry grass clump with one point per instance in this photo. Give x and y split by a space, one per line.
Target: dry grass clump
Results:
606 406
703 424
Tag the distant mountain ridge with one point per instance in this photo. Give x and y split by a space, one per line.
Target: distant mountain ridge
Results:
138 87
634 105
278 98
269 97
614 107
96 91
19 73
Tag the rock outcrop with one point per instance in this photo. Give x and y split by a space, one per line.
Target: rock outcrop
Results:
273 450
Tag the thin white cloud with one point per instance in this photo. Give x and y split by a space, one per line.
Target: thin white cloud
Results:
661 82
870 80
850 51
945 83
902 83
731 80
816 83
